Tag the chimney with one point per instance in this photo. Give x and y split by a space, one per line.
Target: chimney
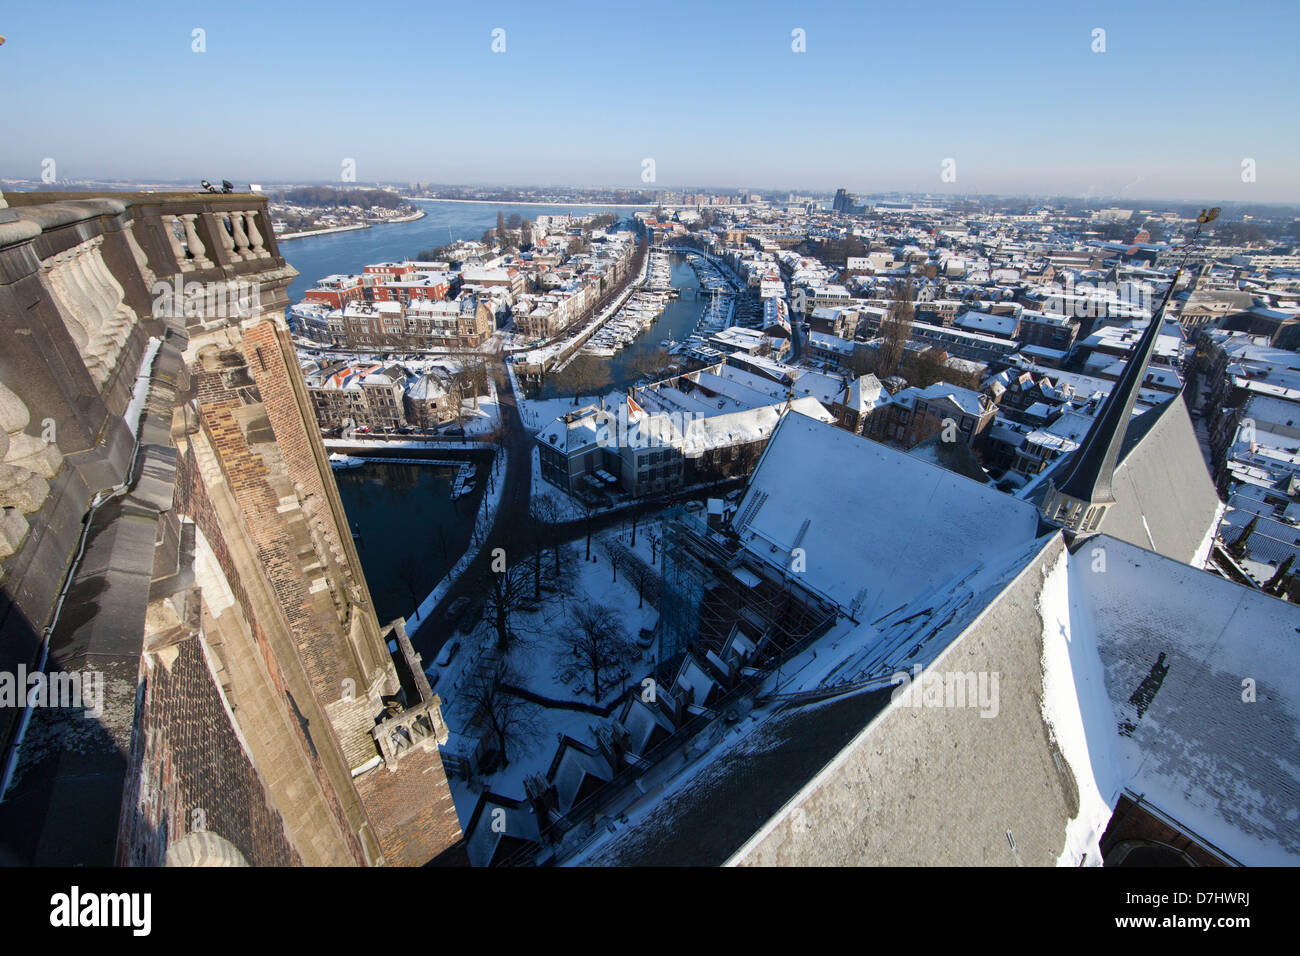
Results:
543 799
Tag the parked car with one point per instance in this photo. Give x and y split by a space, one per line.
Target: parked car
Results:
448 653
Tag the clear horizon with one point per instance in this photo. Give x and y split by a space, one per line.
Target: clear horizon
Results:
878 102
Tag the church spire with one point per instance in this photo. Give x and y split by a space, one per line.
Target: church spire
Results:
1078 497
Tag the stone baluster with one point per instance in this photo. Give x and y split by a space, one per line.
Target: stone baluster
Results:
138 254
78 314
22 450
106 322
122 319
25 463
178 248
257 245
223 236
242 245
197 250
56 275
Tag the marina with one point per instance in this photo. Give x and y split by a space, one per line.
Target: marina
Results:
640 311
720 311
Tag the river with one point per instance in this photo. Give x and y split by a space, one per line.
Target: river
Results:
349 252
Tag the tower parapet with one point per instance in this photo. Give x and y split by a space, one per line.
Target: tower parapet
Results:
170 524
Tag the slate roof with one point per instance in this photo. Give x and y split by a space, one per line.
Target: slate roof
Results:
1176 645
1164 497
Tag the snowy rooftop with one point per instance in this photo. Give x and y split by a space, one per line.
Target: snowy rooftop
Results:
1003 326
838 521
1176 646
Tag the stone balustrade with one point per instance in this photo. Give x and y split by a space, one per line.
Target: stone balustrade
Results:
418 727
82 278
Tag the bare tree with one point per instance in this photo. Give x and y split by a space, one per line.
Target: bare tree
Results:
597 645
651 366
546 516
926 368
896 330
584 374
641 575
511 720
589 507
614 552
656 539
508 591
413 582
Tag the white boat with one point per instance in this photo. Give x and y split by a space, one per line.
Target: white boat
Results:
339 461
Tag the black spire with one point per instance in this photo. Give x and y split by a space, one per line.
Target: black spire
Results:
1087 475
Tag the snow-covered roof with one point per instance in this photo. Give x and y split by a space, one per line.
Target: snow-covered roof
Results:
1177 647
747 426
838 521
1003 326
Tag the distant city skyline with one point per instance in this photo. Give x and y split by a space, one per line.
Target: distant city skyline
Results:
1171 102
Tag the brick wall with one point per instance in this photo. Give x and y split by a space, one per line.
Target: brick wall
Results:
412 808
192 771
194 501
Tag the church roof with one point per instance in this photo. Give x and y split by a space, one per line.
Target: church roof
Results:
1164 497
1176 646
837 517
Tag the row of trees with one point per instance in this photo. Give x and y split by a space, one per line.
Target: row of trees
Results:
330 197
892 357
513 231
590 374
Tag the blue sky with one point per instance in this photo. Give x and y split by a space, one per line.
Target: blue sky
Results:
712 92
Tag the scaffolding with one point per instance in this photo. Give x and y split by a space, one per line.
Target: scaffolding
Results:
681 593
711 592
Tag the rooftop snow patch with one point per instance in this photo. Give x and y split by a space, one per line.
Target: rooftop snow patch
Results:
839 497
1177 646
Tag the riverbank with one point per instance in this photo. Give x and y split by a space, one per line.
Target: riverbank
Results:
322 232
418 214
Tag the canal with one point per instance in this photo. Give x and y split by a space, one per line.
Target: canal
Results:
676 322
411 531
